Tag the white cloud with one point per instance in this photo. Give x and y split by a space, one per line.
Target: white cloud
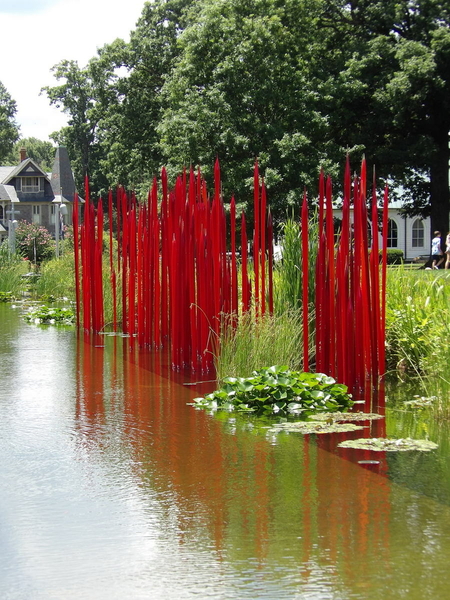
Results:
33 41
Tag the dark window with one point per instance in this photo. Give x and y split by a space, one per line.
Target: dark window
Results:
392 236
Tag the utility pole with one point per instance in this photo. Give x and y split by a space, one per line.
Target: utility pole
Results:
60 209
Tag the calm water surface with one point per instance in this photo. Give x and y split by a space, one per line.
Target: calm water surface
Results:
112 487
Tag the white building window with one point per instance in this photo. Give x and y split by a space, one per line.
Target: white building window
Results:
418 234
36 214
31 184
392 235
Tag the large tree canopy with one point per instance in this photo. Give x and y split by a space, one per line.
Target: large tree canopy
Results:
392 83
294 83
9 130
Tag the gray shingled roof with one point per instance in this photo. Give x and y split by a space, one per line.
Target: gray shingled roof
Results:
62 177
8 192
4 173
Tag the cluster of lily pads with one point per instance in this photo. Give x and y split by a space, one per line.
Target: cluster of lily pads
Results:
277 388
320 403
50 316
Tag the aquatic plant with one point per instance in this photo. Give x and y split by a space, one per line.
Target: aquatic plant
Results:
277 388
389 445
313 427
50 316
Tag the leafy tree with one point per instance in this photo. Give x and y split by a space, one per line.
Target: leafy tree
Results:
242 89
296 84
80 96
9 130
114 103
40 151
389 87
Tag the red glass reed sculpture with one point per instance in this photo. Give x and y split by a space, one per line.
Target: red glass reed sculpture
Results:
180 285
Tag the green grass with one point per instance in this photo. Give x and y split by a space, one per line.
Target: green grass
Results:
11 270
57 279
271 340
418 322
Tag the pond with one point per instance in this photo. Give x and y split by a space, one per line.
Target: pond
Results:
114 487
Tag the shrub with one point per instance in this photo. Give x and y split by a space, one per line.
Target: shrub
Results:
34 242
394 256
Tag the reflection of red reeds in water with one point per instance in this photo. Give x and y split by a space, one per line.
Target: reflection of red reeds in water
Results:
180 284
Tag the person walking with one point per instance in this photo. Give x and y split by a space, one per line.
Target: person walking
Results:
437 255
447 250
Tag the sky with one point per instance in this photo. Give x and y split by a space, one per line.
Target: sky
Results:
37 34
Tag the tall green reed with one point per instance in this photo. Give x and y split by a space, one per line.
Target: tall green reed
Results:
12 267
288 273
258 343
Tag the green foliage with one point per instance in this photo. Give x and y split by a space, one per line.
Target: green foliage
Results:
9 130
277 388
253 344
34 242
394 256
50 316
57 278
289 277
241 80
242 88
418 322
40 151
11 270
114 103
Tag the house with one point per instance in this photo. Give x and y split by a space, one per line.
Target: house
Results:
29 194
412 235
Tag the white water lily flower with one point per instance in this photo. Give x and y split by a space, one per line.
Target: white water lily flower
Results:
37 321
52 321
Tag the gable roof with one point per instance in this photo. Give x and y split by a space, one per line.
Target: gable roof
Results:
26 168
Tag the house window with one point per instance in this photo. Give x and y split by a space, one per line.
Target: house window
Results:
418 234
1 212
36 214
392 235
30 184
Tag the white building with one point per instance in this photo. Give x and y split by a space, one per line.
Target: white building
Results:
412 235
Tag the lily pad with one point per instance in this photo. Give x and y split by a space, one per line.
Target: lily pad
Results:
340 416
389 445
307 427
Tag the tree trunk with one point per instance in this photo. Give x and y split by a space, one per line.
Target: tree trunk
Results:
439 184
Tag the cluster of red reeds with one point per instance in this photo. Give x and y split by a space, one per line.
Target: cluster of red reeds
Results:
179 281
350 304
180 278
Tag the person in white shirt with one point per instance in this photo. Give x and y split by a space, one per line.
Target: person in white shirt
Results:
437 255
